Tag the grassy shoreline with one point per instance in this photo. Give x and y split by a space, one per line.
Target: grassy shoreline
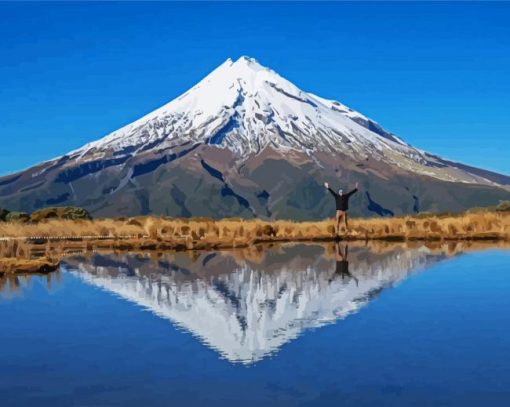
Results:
49 239
484 224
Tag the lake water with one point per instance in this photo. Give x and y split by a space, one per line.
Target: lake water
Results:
296 324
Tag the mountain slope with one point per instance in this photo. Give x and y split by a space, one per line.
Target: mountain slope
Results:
246 142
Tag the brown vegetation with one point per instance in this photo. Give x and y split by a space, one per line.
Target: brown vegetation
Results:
37 247
57 212
21 257
201 233
10 265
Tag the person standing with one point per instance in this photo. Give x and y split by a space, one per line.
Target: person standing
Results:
342 205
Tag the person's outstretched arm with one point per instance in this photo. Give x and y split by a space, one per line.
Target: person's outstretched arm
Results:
330 190
354 190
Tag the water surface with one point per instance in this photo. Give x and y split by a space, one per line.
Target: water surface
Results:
297 324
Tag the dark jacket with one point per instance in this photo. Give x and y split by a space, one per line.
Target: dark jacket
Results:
342 201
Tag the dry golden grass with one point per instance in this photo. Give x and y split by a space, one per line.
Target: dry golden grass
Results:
23 257
10 265
39 247
466 226
198 233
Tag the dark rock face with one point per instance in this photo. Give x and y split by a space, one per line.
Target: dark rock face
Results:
212 182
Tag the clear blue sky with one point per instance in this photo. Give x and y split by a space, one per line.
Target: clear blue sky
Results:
436 74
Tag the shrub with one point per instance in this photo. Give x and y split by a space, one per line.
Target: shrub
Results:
504 206
20 217
452 230
3 214
434 227
65 212
268 230
133 222
410 224
201 231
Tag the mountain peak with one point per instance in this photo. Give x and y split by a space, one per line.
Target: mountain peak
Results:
245 68
244 59
247 107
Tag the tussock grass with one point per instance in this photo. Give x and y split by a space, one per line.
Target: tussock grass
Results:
19 257
204 232
39 247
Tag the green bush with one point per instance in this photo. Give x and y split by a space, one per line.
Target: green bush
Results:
504 206
65 212
3 214
21 217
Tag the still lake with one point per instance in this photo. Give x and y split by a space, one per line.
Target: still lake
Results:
292 324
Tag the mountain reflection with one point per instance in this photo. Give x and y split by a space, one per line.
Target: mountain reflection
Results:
246 304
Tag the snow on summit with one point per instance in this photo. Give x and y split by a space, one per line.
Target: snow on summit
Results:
246 107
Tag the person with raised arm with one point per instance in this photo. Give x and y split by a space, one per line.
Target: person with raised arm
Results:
342 205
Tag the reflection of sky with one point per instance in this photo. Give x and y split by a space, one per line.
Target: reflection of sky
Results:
441 337
247 310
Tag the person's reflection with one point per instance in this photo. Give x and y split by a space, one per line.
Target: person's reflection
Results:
342 264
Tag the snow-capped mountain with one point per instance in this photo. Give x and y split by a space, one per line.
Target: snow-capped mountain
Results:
246 108
229 133
244 310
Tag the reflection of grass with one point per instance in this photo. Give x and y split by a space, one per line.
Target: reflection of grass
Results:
10 265
48 241
262 256
21 257
149 233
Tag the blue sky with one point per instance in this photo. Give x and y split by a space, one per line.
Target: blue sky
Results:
436 74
